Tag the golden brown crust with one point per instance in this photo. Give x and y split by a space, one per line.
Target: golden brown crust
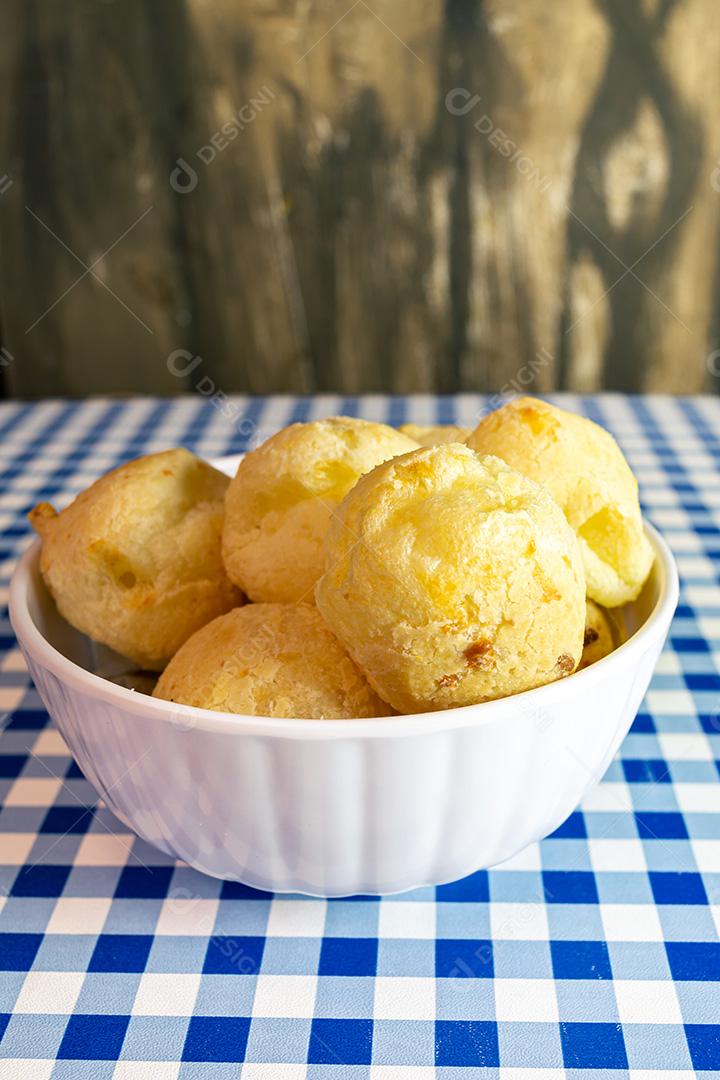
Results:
279 505
435 434
41 517
452 579
584 470
602 634
269 660
134 561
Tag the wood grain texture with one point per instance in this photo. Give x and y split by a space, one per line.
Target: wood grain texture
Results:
337 222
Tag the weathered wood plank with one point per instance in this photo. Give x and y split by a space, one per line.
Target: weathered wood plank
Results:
344 223
84 173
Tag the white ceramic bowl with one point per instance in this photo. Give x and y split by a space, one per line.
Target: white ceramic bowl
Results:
335 807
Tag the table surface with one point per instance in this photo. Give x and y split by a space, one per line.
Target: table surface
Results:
594 953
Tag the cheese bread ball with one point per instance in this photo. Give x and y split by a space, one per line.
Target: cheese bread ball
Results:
435 434
584 470
602 635
452 579
269 660
134 561
279 505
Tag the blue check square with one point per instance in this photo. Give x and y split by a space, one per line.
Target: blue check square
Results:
593 1046
11 765
216 1038
580 960
18 951
144 882
348 956
704 1045
67 819
573 828
700 681
121 952
233 955
343 1042
677 888
694 960
235 890
473 889
570 887
643 724
661 825
93 1038
41 880
463 958
466 1043
646 771
28 720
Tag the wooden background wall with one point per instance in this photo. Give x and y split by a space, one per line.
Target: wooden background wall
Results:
555 218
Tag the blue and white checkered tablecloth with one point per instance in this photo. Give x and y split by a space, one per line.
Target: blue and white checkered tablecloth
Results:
595 953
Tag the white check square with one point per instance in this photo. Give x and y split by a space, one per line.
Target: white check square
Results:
104 849
685 746
709 625
166 994
141 1070
611 796
49 992
526 1000
519 922
671 702
647 1002
631 922
617 855
698 798
707 855
51 743
404 998
402 1072
253 1070
183 915
696 566
15 848
285 995
407 919
79 915
517 1073
13 660
296 918
26 1069
34 791
11 697
668 664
